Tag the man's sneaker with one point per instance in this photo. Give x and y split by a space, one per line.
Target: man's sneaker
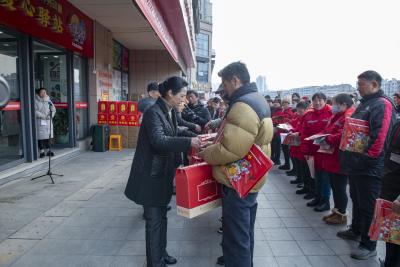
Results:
309 196
330 215
313 202
322 206
348 234
220 261
300 185
302 191
220 231
362 253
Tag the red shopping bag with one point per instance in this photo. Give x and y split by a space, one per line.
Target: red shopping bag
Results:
385 224
193 153
196 190
244 174
355 135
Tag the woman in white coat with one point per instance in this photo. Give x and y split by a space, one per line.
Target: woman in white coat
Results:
43 106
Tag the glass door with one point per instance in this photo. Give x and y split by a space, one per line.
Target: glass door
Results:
51 74
10 115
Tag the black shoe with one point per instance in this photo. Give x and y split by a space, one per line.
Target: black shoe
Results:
51 154
220 260
277 163
322 206
221 219
300 185
284 167
220 231
349 234
42 155
169 208
302 191
297 181
169 260
290 173
309 196
315 202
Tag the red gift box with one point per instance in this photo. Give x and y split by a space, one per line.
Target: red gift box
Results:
113 119
123 120
355 135
123 107
385 223
245 173
133 108
112 107
196 190
102 119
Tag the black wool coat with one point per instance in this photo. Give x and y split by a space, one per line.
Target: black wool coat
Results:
157 155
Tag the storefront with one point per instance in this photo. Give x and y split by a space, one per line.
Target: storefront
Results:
43 43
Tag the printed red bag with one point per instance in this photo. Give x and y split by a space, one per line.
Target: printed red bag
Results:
355 136
385 224
244 174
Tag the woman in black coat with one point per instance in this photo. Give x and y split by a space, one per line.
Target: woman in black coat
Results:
157 155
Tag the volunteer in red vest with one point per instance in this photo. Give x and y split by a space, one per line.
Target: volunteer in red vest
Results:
287 116
295 152
315 120
365 169
330 167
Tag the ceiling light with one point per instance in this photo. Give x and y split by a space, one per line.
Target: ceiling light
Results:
55 56
1 32
6 44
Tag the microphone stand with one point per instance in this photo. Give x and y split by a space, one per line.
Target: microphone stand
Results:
49 172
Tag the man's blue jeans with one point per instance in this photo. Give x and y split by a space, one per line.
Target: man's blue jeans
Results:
238 228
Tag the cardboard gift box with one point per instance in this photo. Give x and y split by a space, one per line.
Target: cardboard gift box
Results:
196 190
385 223
355 135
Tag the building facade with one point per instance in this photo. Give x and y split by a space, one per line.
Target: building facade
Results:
261 82
83 52
328 90
205 55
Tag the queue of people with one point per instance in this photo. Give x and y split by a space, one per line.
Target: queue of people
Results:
170 127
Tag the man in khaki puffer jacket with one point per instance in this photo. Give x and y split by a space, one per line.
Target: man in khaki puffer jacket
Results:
248 122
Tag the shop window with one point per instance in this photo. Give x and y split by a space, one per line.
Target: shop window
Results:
202 45
202 72
120 76
10 115
80 98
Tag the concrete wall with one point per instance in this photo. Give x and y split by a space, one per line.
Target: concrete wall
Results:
146 66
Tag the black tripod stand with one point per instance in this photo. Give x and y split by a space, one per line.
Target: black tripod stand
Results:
49 172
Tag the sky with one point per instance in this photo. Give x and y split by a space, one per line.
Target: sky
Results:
297 43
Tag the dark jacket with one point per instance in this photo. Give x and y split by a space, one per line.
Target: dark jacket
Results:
379 112
202 115
391 179
184 123
145 103
156 158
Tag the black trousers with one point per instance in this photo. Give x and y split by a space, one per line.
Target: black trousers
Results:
276 148
339 185
43 144
364 190
286 154
156 235
297 170
309 182
392 255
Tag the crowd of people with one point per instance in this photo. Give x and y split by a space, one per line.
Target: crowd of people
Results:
174 117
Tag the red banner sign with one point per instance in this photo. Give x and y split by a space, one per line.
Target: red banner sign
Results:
102 119
12 105
113 119
123 107
81 105
57 21
60 105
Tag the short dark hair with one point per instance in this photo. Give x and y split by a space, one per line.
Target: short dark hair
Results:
396 95
302 105
153 86
193 92
345 99
319 95
216 100
371 75
175 84
40 89
296 95
237 69
267 97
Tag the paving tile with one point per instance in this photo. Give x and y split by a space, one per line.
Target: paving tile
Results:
270 222
293 261
315 248
39 228
285 248
266 213
275 196
327 232
128 261
265 262
295 222
133 248
12 249
302 234
277 234
325 261
76 232
342 247
287 213
350 262
262 249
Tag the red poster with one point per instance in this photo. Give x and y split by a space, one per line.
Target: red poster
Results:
58 22
122 120
112 119
122 107
102 119
81 105
133 120
133 108
102 107
112 107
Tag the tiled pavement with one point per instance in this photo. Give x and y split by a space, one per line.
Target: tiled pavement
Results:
85 220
